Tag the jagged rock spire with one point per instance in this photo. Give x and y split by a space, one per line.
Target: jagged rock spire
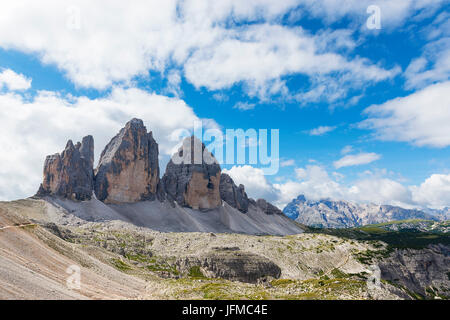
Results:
192 177
70 174
233 195
128 169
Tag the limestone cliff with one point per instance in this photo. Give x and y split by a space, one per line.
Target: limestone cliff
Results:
233 195
128 169
192 178
70 174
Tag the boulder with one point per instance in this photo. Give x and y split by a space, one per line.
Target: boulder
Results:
233 195
192 177
128 170
70 174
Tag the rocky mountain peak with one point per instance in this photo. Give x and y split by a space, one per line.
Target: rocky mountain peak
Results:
192 176
128 169
70 174
267 207
233 195
327 213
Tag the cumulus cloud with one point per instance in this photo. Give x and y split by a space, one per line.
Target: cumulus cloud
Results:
254 180
434 191
316 183
259 55
208 43
320 131
30 130
356 160
421 118
13 81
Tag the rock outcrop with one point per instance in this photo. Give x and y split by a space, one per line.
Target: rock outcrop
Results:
231 264
128 169
233 195
192 177
128 172
267 207
70 174
424 271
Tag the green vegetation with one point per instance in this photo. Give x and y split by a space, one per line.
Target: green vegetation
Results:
195 272
120 265
336 273
405 238
281 282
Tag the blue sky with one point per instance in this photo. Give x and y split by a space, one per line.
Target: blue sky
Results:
308 68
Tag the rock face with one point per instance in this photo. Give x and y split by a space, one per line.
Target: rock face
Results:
424 271
192 177
128 172
70 174
345 214
231 264
267 207
128 169
233 195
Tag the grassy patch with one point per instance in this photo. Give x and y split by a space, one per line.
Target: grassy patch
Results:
406 238
120 265
281 282
195 272
336 273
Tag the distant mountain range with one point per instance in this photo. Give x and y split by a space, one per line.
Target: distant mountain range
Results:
345 214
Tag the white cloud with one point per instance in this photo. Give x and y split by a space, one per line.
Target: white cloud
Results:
259 55
356 160
347 149
380 191
433 192
256 184
201 40
287 163
433 66
321 130
221 97
244 106
315 183
14 81
421 118
393 13
30 130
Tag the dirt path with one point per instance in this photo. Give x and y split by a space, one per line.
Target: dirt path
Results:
18 226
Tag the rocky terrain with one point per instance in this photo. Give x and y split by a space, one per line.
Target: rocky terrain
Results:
347 214
40 240
195 234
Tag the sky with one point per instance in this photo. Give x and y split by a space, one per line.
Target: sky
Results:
359 90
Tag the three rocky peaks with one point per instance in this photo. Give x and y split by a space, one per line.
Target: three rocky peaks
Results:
128 172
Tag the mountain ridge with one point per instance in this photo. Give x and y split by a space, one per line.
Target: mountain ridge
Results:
328 213
192 195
